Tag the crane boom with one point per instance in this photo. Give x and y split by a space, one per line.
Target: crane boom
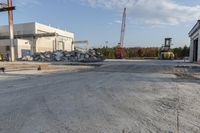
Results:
123 28
120 53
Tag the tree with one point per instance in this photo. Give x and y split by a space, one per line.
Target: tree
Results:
141 52
185 51
181 52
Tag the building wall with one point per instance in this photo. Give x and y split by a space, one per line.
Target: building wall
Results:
53 43
192 38
63 41
44 44
198 60
41 28
19 29
21 45
4 44
191 50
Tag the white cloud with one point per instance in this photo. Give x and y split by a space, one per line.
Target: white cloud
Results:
151 12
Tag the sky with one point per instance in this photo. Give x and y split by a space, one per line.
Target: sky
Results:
99 21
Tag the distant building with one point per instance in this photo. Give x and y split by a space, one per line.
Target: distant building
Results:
35 37
194 35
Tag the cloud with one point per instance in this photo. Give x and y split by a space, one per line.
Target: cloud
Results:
151 12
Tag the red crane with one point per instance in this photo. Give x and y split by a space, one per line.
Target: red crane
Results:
120 49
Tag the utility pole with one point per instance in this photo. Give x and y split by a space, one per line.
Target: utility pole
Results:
11 30
9 8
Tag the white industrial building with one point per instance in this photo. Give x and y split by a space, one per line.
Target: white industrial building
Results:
35 37
194 35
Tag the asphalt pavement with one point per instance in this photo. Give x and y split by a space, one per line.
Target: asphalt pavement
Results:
117 97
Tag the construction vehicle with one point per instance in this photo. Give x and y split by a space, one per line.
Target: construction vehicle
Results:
165 51
120 53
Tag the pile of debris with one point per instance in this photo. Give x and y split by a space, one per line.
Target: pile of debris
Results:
65 56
